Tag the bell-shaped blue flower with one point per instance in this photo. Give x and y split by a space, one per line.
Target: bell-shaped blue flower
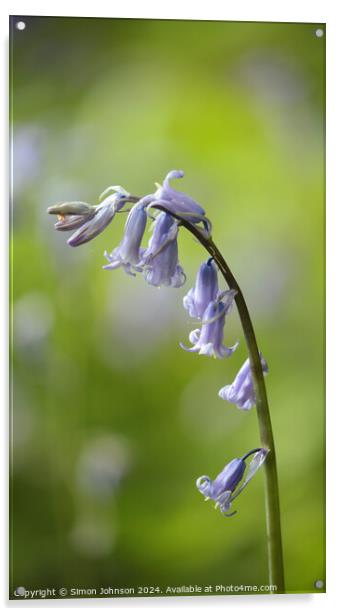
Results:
87 221
94 226
241 391
178 203
129 252
205 290
160 259
224 489
208 340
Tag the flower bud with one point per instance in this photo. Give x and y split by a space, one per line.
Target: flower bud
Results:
78 208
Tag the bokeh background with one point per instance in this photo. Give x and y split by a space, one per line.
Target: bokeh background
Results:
112 421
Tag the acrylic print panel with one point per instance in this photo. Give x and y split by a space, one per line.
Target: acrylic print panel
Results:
137 467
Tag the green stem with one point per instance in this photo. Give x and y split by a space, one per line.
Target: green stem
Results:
274 542
273 523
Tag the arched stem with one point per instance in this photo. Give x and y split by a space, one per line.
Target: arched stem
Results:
273 523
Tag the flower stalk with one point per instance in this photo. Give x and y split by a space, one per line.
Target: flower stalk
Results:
272 504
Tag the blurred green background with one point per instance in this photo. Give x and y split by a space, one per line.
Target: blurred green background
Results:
112 421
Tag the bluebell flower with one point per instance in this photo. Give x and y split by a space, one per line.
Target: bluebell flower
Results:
241 391
224 489
208 340
205 290
178 203
87 221
129 252
103 216
160 259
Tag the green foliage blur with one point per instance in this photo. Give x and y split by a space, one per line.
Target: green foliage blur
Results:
112 421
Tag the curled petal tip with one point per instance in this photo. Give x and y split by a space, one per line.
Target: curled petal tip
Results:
175 174
116 189
186 348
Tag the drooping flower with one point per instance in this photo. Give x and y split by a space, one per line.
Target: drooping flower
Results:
160 259
90 229
241 391
223 490
87 221
205 290
178 203
208 340
129 252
